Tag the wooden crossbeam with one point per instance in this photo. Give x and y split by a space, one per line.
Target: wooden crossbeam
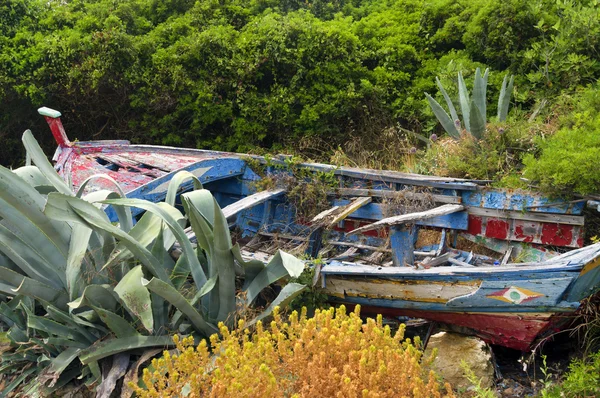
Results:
386 193
330 217
411 217
250 201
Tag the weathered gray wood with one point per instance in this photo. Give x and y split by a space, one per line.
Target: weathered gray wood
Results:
506 256
251 201
528 216
458 262
439 260
411 217
330 217
384 193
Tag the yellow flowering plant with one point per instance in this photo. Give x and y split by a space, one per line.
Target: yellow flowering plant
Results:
333 354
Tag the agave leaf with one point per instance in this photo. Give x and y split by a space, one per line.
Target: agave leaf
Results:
222 259
200 225
98 295
58 365
146 231
17 381
448 101
477 122
287 294
202 200
282 264
28 260
186 245
136 297
180 272
20 284
78 210
443 117
58 341
116 323
77 251
32 175
111 347
21 210
504 98
479 92
465 107
178 179
65 319
39 159
53 328
123 213
251 268
178 301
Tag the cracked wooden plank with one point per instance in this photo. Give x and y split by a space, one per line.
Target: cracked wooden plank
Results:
411 217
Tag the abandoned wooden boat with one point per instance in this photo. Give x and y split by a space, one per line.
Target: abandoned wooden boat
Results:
396 243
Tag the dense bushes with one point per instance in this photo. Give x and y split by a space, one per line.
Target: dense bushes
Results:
235 74
332 354
568 160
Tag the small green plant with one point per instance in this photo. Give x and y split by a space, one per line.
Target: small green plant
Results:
479 391
582 379
474 108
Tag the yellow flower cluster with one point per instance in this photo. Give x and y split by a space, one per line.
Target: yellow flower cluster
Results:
333 354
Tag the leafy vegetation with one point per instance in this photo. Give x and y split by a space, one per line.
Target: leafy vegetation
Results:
82 293
582 380
234 75
330 354
474 108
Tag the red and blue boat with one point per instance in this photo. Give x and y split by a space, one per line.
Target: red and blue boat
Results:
509 266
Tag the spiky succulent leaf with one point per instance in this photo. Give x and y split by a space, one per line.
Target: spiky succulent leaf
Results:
34 151
175 227
477 121
111 347
177 181
443 117
504 98
287 294
465 102
136 297
282 264
178 301
448 100
479 92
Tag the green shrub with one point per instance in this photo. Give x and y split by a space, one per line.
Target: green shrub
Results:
582 380
568 160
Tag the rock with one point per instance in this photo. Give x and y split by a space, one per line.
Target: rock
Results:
452 349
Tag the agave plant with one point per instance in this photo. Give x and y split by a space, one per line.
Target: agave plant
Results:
473 108
85 295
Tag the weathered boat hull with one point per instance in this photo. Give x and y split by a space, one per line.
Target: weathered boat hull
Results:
508 304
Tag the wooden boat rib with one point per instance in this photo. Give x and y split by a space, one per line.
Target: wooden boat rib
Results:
511 298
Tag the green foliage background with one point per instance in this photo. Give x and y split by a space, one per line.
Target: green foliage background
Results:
240 74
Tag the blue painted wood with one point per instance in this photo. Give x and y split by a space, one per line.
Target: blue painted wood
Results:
519 201
402 241
155 191
538 292
374 211
587 284
438 307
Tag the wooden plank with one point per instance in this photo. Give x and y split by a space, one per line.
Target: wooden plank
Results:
251 201
374 211
330 217
384 193
506 256
410 218
458 262
434 262
527 216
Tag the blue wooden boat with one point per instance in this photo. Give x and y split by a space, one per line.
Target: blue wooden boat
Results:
396 243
